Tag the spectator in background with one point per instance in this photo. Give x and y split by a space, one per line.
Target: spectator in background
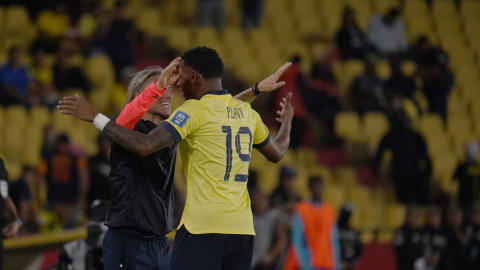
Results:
408 241
44 93
468 176
20 194
66 76
367 91
399 85
294 83
252 13
91 20
53 25
99 171
350 39
437 242
321 98
284 195
14 79
49 137
387 33
436 76
351 248
211 12
272 237
118 39
455 232
472 241
67 182
314 238
410 167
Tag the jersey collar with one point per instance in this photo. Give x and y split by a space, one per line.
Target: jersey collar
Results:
215 92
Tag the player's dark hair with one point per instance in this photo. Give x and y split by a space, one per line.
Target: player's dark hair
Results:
205 61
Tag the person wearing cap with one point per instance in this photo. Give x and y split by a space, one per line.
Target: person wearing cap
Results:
351 247
285 193
468 176
314 236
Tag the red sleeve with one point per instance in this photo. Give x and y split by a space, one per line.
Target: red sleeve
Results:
135 110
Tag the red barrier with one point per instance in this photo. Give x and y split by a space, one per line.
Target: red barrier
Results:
377 257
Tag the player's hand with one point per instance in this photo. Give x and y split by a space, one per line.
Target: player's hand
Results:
169 74
78 107
286 114
270 84
11 230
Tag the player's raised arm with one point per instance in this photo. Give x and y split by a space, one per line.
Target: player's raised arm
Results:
276 148
269 84
135 142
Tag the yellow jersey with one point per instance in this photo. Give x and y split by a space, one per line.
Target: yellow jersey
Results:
215 135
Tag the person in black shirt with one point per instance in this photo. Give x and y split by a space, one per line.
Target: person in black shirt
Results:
6 203
284 195
408 241
19 191
99 171
367 91
468 176
455 233
351 247
472 242
435 234
399 84
66 76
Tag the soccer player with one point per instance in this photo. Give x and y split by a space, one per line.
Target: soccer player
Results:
216 230
151 177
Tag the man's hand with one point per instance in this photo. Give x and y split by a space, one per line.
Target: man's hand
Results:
286 114
169 74
11 230
78 107
270 83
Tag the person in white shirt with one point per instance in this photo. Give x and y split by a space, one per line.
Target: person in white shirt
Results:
387 33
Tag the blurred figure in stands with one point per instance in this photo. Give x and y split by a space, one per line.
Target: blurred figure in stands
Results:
99 171
14 79
321 97
408 241
399 85
117 39
53 25
350 39
91 20
272 236
436 76
67 181
252 13
66 76
468 176
472 241
285 196
44 93
387 33
350 245
294 83
437 242
21 197
410 167
367 91
455 235
211 12
314 238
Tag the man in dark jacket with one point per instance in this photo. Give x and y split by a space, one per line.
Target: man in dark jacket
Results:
350 245
408 241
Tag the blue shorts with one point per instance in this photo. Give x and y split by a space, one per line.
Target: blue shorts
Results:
211 251
135 252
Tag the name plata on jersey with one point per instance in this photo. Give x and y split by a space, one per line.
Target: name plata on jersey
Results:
234 113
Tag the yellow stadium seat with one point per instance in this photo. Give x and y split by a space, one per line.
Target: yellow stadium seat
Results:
284 30
363 11
100 72
2 118
457 106
472 28
149 21
206 35
33 146
444 165
274 8
375 125
301 8
332 12
409 68
459 141
233 12
444 9
334 194
431 123
39 116
268 177
438 143
346 176
383 70
394 216
347 126
17 22
415 9
346 72
13 144
180 38
14 170
309 26
448 28
16 115
301 50
233 37
470 9
307 156
360 196
62 123
418 26
382 6
470 88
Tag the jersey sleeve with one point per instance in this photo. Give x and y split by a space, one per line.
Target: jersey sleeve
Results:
135 110
184 121
262 135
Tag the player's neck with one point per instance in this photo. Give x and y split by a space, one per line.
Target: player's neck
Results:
156 119
209 85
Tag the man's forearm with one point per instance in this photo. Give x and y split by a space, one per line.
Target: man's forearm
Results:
246 96
10 207
283 137
138 143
